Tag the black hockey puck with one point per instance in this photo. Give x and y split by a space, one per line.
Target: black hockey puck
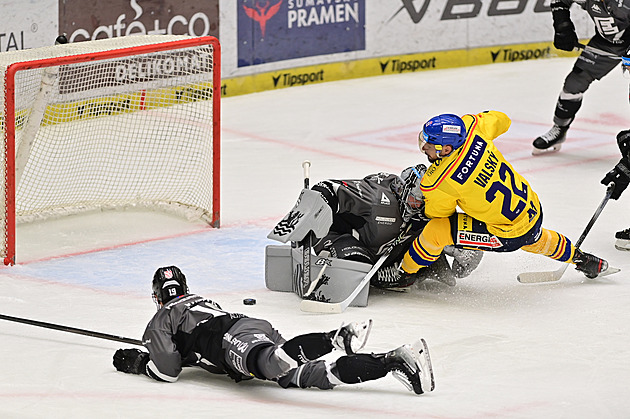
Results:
249 301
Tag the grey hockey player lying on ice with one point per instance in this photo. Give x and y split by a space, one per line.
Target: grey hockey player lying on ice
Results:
369 216
189 330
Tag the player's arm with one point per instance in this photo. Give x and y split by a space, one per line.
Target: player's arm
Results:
620 174
488 124
438 204
162 362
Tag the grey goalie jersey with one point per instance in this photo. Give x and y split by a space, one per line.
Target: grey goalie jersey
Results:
365 208
188 331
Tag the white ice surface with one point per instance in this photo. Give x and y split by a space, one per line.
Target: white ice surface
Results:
500 349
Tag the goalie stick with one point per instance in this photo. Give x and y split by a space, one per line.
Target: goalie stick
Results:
551 276
312 306
71 330
306 243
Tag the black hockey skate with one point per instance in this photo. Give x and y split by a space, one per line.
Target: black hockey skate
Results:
623 239
351 337
392 278
411 365
551 141
590 265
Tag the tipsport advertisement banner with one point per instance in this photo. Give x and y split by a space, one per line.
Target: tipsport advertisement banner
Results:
275 30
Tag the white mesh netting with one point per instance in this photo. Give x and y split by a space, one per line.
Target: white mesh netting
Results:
130 131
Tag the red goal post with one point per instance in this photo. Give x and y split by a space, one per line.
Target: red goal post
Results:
128 122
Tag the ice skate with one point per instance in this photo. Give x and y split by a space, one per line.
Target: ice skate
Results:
411 365
591 265
551 141
351 337
440 271
623 239
390 278
464 261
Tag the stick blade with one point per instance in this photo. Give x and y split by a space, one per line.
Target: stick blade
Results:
311 306
538 277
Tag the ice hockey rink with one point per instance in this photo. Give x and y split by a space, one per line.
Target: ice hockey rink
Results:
500 349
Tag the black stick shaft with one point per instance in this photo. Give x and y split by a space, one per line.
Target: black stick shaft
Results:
595 216
71 330
306 245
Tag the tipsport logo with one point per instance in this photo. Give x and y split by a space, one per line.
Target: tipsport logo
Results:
510 55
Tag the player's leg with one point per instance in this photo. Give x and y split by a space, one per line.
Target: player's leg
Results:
558 247
623 239
589 67
409 364
255 349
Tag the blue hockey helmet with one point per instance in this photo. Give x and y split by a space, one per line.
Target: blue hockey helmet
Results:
168 283
441 130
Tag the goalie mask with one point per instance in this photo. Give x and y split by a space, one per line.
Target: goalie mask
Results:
168 283
411 200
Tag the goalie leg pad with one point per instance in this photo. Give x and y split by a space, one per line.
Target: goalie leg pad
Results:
283 266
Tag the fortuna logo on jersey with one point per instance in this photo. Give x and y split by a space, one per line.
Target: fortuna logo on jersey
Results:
478 239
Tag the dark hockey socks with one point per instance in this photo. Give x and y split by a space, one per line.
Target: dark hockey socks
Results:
308 347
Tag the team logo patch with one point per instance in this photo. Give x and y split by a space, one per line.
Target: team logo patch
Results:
480 240
470 161
168 274
452 129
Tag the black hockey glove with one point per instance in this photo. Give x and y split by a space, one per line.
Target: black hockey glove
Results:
623 141
565 37
620 175
131 361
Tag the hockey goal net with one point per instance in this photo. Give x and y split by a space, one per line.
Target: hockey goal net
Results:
129 122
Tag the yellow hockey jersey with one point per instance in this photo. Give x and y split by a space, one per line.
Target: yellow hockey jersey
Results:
477 179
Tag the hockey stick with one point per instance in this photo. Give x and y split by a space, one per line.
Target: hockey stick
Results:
71 330
306 243
598 51
323 307
550 276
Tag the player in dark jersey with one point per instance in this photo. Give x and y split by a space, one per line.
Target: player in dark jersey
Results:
384 210
189 330
620 175
612 39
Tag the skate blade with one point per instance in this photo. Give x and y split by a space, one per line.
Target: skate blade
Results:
420 352
622 245
550 150
611 270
